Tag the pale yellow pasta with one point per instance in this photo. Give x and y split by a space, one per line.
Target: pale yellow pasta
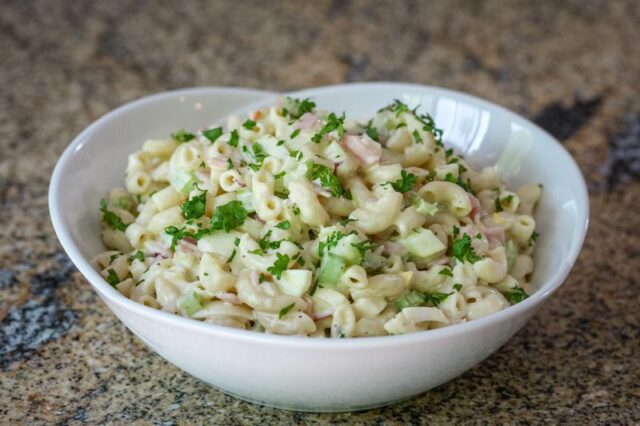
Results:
159 147
376 216
137 235
529 196
138 162
297 221
138 182
160 221
493 268
231 181
449 194
167 197
522 228
311 211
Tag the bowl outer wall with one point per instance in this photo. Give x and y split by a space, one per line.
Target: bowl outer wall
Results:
294 372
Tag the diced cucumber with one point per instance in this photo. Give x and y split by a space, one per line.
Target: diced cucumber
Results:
183 180
221 243
424 207
422 243
346 250
245 196
331 268
412 298
191 303
295 282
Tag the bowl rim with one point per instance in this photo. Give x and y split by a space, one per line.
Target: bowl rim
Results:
108 292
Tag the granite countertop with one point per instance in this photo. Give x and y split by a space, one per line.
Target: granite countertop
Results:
573 67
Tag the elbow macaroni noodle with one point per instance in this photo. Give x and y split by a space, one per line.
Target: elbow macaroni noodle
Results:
298 222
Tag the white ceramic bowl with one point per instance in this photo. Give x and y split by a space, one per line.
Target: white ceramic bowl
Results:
321 374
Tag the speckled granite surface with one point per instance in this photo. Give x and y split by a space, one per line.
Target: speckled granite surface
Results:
574 67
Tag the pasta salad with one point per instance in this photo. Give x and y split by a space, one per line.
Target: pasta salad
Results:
298 221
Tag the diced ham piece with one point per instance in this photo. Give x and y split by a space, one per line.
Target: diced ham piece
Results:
494 234
475 206
306 122
188 247
322 315
364 149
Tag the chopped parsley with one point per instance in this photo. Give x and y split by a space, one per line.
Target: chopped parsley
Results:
182 136
258 154
346 221
249 124
213 134
280 265
457 287
279 175
195 207
110 218
232 256
296 210
228 216
462 250
363 246
418 298
417 136
428 124
397 106
533 238
280 142
139 255
284 311
405 183
516 295
446 272
327 179
330 242
296 108
458 181
501 203
295 133
112 278
331 123
265 243
284 194
234 139
285 224
372 132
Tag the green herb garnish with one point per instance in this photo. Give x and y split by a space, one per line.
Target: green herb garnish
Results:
331 123
296 108
284 311
213 134
195 207
110 218
446 272
139 255
182 136
234 139
285 224
405 183
112 278
462 250
516 295
327 179
280 265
